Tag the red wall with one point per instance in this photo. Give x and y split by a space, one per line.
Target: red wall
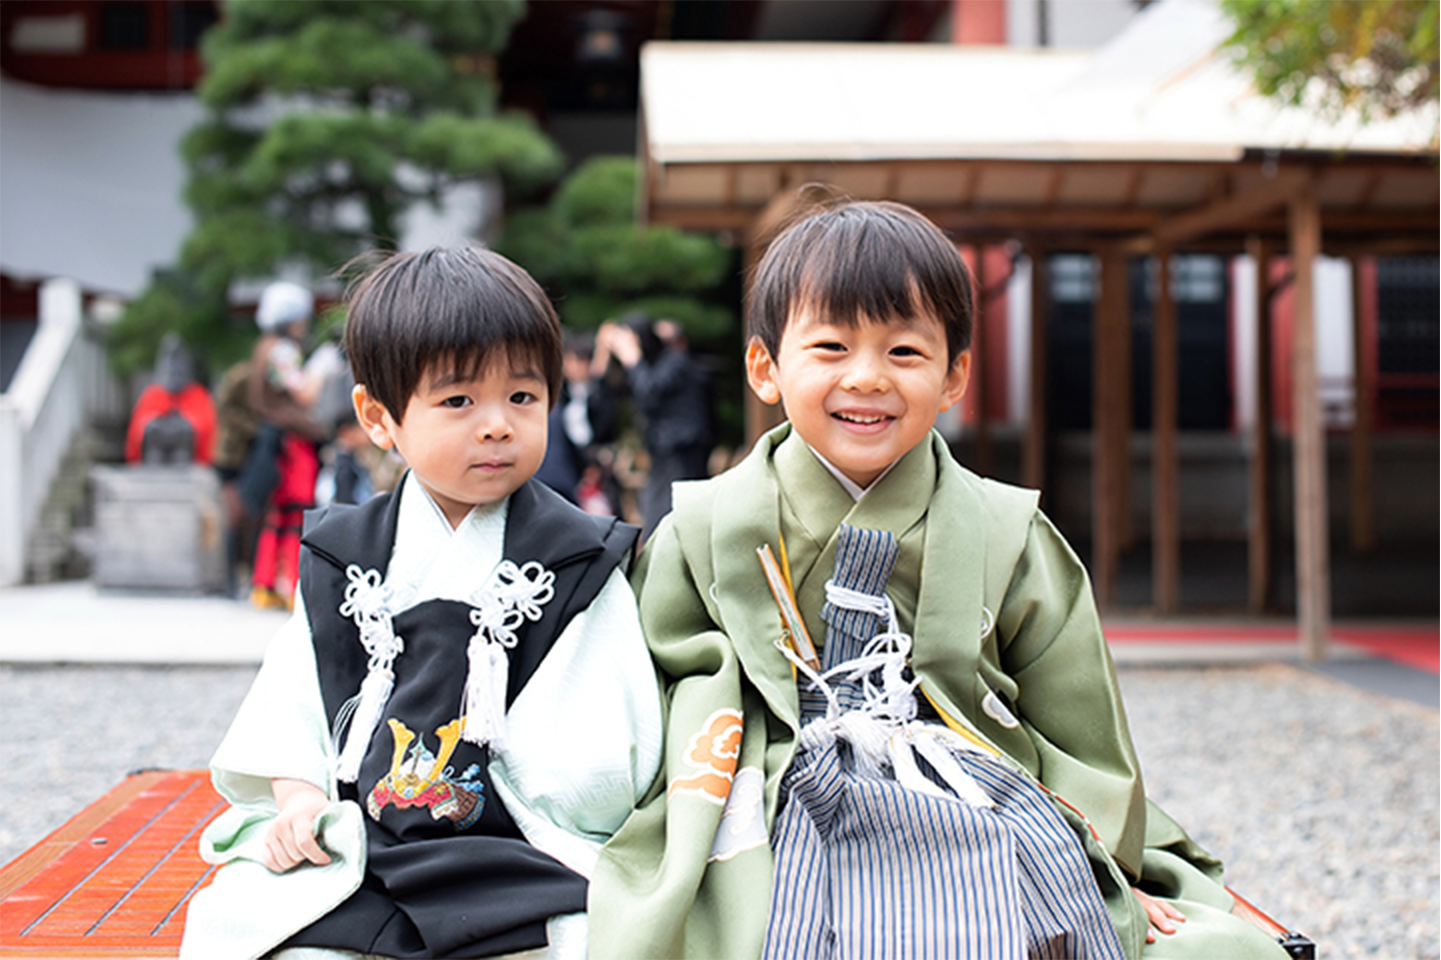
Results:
157 67
19 300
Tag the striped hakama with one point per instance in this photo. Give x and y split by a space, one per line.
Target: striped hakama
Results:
899 838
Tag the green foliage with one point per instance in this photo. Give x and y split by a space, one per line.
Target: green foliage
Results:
510 146
327 120
587 250
1378 57
602 191
170 303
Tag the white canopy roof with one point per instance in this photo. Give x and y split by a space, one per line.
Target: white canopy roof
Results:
1157 91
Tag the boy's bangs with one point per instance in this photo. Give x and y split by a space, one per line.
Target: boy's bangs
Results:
850 290
474 360
863 262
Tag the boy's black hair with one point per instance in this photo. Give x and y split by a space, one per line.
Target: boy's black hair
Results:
451 310
862 261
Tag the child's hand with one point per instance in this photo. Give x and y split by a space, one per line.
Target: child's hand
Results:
290 839
1159 913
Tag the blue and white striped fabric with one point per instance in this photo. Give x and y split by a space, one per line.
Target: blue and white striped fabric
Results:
866 867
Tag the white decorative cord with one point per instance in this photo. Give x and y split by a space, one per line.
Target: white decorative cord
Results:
513 596
367 602
883 732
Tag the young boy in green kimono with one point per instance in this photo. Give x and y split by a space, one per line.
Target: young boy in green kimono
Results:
860 322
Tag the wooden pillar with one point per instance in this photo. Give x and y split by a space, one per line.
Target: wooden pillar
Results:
1117 265
1108 331
1034 455
1165 494
978 388
1363 508
1258 526
1313 581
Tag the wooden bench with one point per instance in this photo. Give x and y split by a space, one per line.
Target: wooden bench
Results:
114 880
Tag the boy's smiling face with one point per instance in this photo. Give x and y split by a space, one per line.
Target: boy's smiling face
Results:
862 396
469 440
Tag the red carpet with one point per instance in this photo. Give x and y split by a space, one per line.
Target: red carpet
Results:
1413 645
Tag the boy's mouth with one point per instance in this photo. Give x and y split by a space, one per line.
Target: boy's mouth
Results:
862 419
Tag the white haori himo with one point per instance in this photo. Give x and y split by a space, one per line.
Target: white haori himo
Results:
367 603
883 733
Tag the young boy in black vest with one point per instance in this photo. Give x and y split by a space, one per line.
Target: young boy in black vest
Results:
462 708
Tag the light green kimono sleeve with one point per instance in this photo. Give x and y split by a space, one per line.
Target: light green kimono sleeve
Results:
660 888
1067 695
279 731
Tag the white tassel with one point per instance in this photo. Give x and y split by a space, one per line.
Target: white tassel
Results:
370 703
367 602
955 776
483 708
868 736
514 595
908 772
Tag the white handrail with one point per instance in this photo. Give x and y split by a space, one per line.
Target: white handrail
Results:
39 414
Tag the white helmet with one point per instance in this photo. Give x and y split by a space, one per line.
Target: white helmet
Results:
282 304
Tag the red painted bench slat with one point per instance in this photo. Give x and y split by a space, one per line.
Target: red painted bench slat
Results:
115 879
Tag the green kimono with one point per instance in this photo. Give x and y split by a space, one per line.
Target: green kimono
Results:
1009 651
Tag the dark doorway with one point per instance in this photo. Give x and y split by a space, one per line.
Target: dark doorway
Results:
1200 289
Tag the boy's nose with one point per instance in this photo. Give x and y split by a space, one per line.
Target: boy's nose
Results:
493 426
866 373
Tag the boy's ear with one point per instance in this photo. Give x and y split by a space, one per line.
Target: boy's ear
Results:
957 379
372 416
761 372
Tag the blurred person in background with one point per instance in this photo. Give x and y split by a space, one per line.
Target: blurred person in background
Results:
278 479
582 425
673 397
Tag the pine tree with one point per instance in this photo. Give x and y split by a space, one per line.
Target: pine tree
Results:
587 250
328 120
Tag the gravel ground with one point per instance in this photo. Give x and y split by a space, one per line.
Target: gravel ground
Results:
76 731
1323 799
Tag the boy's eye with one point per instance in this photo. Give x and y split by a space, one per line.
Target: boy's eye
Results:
829 346
523 397
456 402
905 350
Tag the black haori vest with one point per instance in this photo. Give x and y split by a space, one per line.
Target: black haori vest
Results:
448 873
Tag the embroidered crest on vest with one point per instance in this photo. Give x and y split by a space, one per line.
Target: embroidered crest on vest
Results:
419 778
